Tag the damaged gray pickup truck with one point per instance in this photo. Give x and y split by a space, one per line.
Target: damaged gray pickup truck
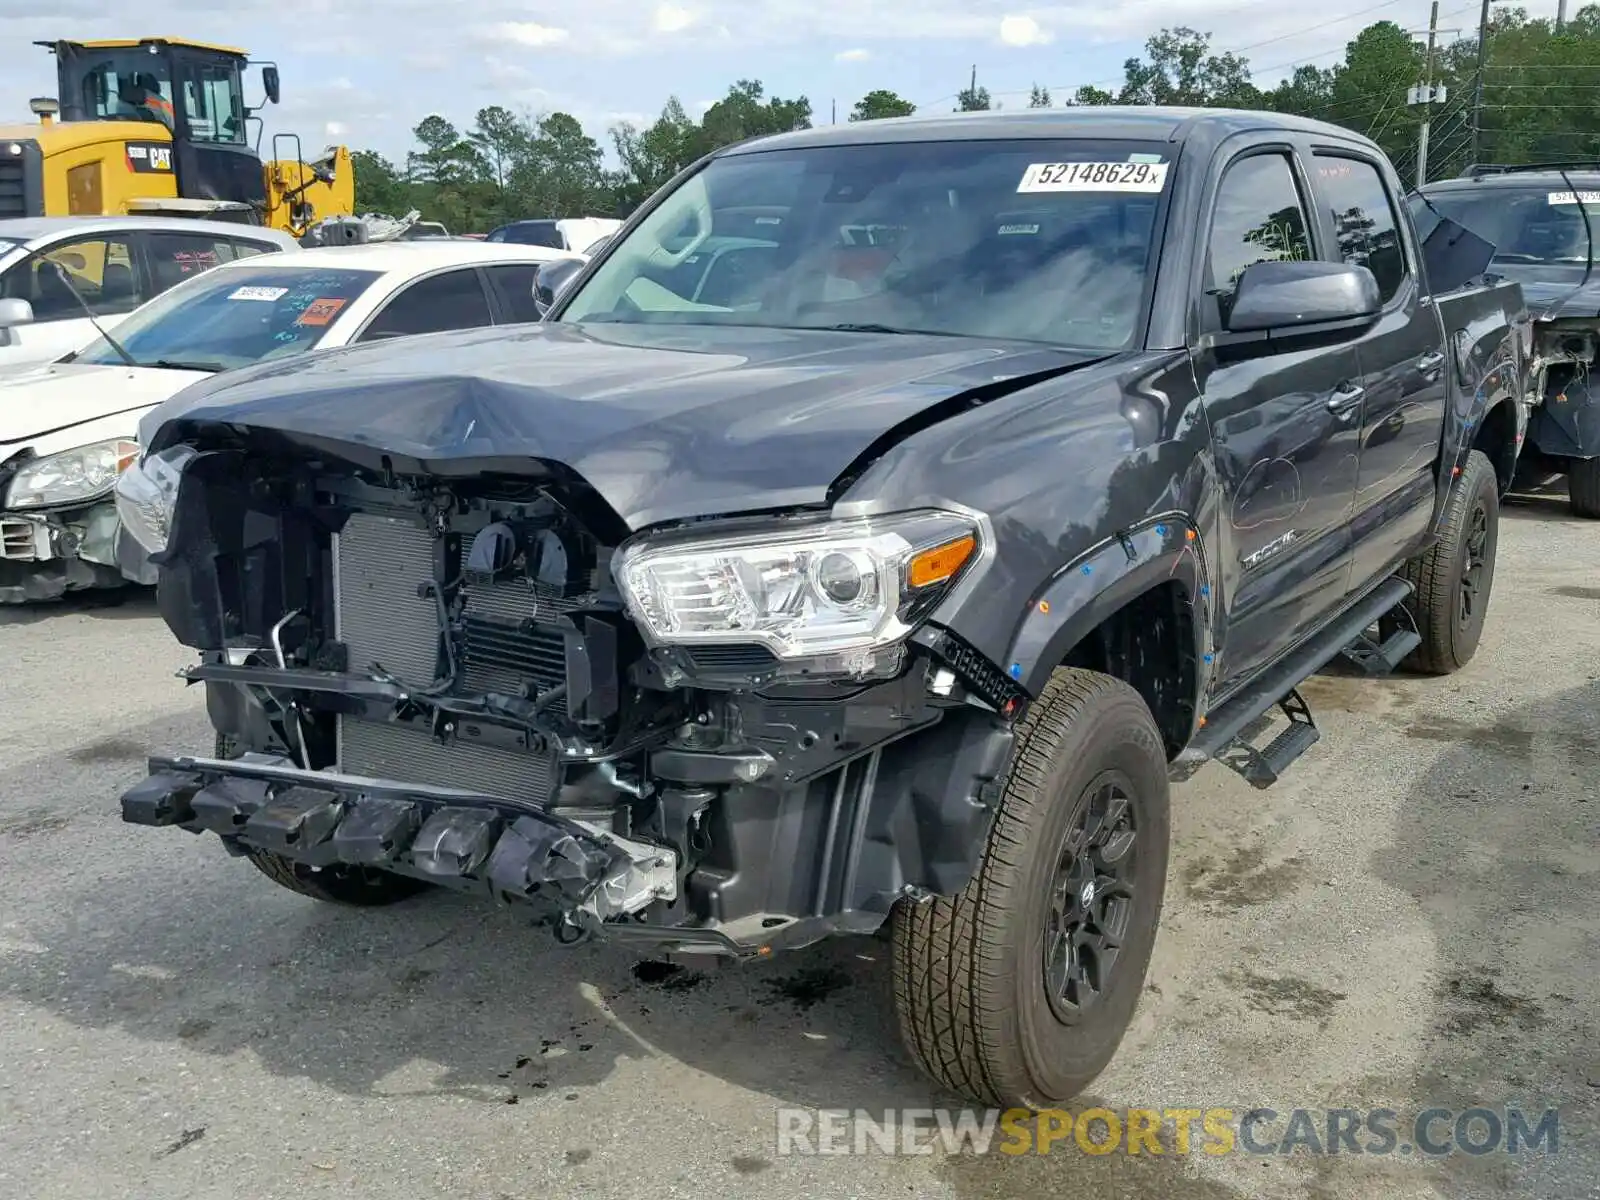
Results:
861 544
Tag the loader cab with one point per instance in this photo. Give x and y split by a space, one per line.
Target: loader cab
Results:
192 96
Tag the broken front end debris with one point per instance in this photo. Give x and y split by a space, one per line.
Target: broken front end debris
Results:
728 737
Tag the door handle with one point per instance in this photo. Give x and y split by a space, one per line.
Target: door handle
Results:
1430 362
1346 398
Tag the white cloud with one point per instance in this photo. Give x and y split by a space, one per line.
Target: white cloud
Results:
531 33
1022 31
405 57
334 130
672 18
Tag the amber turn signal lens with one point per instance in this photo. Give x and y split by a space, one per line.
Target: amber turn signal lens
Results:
941 562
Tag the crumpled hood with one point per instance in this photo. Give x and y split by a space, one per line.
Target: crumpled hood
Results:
43 401
665 422
1564 296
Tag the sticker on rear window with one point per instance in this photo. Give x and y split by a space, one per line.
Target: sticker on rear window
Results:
1094 177
258 293
1009 229
321 311
1569 198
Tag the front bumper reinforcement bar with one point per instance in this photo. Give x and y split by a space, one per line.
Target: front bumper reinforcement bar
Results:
460 839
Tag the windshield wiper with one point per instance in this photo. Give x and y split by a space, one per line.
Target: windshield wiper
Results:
171 364
870 327
61 274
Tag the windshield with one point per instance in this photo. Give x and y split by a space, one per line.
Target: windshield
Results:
1536 225
1048 241
229 318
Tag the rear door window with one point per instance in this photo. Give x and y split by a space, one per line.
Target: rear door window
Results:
174 257
513 287
452 300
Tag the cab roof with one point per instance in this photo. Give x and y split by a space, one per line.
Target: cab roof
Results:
1110 122
135 43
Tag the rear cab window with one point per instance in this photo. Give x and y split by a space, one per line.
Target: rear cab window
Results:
232 318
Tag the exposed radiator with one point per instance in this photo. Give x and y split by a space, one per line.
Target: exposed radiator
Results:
379 563
383 751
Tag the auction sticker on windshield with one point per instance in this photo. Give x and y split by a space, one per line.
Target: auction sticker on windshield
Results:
1094 177
321 311
1569 198
258 293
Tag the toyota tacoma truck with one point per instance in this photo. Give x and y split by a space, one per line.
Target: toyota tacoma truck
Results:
1541 220
886 592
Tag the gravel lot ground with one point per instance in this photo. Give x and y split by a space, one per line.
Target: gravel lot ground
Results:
1408 920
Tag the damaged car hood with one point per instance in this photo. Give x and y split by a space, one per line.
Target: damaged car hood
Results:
664 422
1557 293
46 404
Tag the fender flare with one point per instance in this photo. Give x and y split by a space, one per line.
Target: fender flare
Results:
1479 392
1159 550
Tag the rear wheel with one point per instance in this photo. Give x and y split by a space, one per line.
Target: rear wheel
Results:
1583 487
1454 577
342 884
1018 990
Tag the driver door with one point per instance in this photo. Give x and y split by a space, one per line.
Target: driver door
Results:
1285 426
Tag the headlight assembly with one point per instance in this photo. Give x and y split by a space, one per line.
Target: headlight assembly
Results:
147 493
828 589
73 476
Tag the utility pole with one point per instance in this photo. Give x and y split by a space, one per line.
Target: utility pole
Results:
1425 94
1561 14
1477 84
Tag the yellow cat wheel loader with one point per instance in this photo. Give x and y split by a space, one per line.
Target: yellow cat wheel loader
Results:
160 125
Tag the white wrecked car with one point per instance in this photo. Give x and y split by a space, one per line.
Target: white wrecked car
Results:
67 430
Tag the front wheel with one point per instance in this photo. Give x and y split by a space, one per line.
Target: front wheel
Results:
1017 991
1454 577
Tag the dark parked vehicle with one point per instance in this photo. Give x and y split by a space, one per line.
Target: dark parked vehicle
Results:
1542 220
887 597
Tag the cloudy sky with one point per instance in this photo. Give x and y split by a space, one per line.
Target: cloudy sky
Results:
365 71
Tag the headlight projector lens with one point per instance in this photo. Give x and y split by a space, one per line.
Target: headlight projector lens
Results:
840 578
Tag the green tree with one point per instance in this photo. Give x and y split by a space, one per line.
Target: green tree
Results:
558 174
379 185
746 112
1180 69
501 138
1039 97
651 156
877 105
973 99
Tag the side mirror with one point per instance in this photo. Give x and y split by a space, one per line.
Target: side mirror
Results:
1289 295
551 278
272 84
14 313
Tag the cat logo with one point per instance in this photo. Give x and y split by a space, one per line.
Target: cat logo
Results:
146 158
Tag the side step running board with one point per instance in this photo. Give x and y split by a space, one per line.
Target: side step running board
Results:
1261 768
1228 731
